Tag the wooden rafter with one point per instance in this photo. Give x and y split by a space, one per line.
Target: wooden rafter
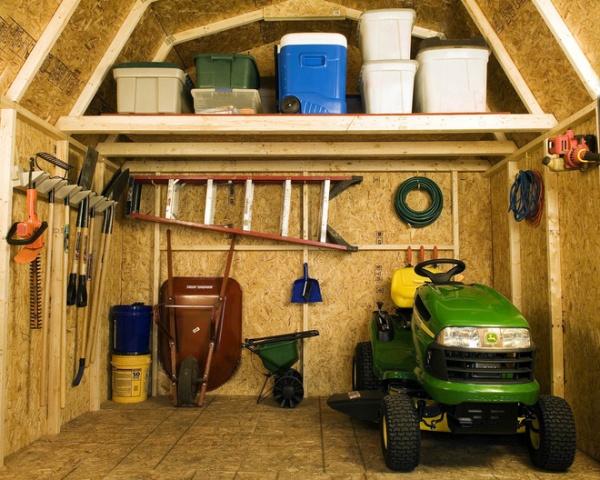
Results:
308 149
42 48
110 56
301 11
570 47
503 57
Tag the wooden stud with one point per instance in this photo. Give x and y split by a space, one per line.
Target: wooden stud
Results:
551 207
8 128
514 246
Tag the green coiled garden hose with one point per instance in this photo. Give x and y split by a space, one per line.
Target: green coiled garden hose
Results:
413 218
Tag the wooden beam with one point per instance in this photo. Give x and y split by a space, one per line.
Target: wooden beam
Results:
308 150
8 133
205 30
555 306
582 115
42 48
111 54
306 124
569 46
503 57
272 166
514 245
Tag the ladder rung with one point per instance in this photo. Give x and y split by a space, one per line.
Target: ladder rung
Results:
323 212
173 198
211 199
247 221
285 207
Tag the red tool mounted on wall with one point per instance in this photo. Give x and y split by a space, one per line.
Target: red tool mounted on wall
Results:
30 233
570 152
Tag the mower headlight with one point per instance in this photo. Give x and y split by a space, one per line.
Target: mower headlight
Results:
472 337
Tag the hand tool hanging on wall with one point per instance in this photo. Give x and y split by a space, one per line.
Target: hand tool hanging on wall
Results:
112 191
85 182
30 232
52 247
570 152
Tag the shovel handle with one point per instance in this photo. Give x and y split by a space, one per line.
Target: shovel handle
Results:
306 271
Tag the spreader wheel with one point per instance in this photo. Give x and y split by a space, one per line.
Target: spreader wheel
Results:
288 390
187 383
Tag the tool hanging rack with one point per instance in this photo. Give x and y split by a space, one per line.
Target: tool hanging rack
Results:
331 186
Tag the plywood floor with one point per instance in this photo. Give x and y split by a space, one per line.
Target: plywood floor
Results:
234 438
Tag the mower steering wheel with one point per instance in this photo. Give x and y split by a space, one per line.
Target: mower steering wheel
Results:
443 277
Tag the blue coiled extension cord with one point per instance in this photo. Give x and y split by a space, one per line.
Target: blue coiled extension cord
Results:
527 197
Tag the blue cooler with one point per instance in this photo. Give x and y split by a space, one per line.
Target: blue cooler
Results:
311 70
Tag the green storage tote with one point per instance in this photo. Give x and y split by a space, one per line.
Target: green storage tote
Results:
226 70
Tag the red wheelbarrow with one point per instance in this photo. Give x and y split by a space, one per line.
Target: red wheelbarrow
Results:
199 331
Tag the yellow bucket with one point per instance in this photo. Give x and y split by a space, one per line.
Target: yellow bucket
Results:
130 378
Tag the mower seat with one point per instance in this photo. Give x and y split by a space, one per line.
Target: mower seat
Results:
404 286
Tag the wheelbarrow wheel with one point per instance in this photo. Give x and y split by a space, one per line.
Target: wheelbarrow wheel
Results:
288 390
187 383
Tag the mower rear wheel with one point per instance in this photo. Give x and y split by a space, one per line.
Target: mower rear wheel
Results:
551 434
288 390
399 432
187 382
363 375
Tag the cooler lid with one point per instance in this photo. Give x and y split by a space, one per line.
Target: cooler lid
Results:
313 38
388 14
148 65
436 42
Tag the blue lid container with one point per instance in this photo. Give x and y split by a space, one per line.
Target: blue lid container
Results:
131 329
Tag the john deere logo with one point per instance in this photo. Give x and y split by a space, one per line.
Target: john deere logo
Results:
491 337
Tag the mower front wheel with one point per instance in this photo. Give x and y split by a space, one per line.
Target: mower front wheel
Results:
399 432
551 434
363 375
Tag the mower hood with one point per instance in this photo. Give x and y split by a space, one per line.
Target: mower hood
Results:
460 305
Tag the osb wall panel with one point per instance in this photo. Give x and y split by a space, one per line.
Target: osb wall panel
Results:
538 57
351 283
579 194
74 57
21 24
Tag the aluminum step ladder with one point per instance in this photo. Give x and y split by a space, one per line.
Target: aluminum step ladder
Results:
331 187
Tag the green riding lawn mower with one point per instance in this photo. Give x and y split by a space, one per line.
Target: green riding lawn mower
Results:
454 358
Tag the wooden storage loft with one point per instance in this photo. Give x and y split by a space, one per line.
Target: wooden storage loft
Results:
308 136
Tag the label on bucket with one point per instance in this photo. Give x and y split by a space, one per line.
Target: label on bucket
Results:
128 383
